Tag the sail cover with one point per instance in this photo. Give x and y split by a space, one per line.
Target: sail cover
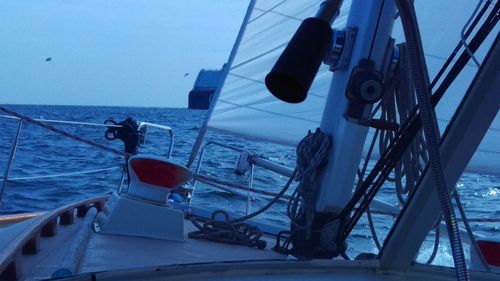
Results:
246 108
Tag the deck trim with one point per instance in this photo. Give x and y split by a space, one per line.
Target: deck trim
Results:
14 248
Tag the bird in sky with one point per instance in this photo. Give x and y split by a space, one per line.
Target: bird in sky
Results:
186 74
48 59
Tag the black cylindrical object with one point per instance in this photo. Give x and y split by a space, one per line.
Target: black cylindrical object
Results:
293 73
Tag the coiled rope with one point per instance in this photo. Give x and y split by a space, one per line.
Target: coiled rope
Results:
235 231
396 107
311 155
410 129
225 231
419 72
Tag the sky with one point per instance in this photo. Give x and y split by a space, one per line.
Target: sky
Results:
113 52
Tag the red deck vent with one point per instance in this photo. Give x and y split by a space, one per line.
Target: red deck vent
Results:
160 173
490 251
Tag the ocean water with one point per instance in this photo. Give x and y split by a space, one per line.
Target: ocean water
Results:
44 153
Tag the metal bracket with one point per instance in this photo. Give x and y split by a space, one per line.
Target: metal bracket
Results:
391 59
395 60
343 43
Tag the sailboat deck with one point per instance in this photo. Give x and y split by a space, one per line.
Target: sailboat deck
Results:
109 252
105 252
115 257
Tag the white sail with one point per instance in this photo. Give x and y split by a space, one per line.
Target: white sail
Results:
246 108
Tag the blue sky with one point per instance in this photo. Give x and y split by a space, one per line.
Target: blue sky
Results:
113 52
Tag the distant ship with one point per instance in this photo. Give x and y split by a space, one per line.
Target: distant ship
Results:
204 88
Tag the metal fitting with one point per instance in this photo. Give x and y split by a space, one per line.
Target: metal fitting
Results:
342 44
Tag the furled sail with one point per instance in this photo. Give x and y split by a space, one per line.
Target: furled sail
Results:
246 108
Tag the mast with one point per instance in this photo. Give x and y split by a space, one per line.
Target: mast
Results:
359 57
374 21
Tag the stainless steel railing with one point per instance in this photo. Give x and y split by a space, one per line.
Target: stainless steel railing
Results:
15 143
170 131
11 159
234 148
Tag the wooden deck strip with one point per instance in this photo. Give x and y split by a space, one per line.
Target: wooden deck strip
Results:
6 220
52 253
24 239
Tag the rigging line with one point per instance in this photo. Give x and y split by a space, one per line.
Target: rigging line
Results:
262 138
284 44
281 14
66 122
393 98
376 29
361 174
259 56
265 11
487 151
64 133
305 7
276 24
260 82
457 47
246 78
372 228
462 34
235 231
472 240
271 202
428 55
269 112
63 174
436 243
385 170
269 30
495 129
411 127
211 181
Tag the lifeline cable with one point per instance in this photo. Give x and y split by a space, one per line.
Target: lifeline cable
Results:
214 181
62 174
63 133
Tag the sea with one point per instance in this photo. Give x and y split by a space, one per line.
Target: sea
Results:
50 170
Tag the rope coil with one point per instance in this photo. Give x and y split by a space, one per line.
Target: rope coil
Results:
311 154
235 231
226 232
